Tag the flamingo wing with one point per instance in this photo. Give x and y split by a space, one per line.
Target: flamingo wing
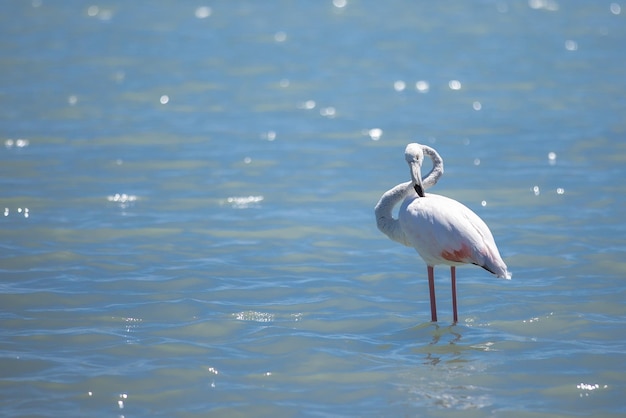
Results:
444 231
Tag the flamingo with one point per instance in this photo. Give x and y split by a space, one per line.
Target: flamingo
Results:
442 230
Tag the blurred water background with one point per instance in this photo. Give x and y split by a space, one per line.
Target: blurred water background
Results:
187 193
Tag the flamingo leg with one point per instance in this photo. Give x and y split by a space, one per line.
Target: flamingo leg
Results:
453 279
431 286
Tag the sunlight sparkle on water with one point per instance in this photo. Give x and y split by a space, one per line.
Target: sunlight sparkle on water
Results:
120 402
102 14
328 112
244 202
399 85
571 45
375 134
422 86
308 105
615 8
454 85
280 36
552 158
588 388
254 316
550 5
92 11
203 12
269 135
18 143
25 212
121 198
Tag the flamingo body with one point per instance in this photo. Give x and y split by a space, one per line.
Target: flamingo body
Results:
442 230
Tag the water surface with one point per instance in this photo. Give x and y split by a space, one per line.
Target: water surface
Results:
187 193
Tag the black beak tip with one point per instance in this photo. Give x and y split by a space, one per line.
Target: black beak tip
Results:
419 190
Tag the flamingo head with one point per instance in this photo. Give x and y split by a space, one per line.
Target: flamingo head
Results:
414 156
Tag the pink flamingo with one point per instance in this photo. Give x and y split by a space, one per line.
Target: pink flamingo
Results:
442 230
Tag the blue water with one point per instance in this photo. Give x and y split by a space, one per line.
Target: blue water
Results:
187 193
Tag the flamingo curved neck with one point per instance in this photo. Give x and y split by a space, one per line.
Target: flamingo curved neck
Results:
437 171
385 221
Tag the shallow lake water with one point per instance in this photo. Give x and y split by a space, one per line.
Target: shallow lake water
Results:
187 194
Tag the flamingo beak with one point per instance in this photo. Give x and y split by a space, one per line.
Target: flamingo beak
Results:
416 174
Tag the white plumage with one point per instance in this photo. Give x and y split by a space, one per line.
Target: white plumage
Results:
442 230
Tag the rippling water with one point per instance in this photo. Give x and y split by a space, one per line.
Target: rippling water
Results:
187 197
